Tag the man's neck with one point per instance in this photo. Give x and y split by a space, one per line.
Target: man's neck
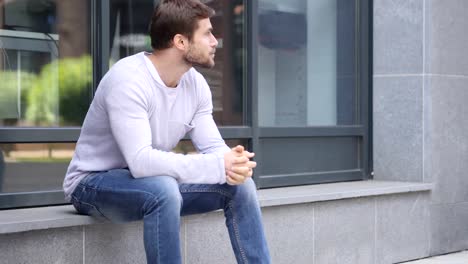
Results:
169 66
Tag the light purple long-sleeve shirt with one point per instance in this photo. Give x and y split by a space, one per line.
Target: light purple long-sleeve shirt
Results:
135 120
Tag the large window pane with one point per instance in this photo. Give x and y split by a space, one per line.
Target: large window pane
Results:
301 155
33 167
307 63
129 27
45 62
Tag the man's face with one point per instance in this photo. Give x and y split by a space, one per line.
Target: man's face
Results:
202 47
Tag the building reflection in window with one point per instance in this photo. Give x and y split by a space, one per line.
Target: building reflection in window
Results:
129 35
307 61
45 62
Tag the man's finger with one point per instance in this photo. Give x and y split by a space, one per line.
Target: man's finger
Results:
240 170
230 181
236 178
238 148
251 164
248 164
241 159
249 154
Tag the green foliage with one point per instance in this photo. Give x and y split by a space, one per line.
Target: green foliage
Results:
62 87
9 83
75 81
43 97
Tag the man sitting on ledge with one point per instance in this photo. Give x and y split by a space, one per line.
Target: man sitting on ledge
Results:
123 169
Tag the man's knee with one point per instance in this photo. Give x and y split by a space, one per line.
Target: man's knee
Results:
247 190
164 191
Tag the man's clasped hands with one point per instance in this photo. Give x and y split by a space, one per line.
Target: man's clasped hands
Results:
238 165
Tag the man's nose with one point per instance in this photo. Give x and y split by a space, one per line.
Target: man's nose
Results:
214 41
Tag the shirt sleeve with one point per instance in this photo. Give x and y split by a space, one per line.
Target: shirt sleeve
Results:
205 134
127 107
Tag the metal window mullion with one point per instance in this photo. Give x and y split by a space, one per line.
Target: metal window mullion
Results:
252 81
95 6
15 200
364 11
39 135
333 131
268 181
100 16
365 75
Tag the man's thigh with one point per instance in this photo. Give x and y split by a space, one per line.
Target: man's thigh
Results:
118 196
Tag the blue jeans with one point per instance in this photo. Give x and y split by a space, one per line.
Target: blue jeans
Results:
160 201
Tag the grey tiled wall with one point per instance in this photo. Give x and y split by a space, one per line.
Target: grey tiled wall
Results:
62 245
420 107
398 90
398 45
398 128
446 81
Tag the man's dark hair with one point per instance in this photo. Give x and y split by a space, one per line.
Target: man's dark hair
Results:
173 17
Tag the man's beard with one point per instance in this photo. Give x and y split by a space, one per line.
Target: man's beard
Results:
195 58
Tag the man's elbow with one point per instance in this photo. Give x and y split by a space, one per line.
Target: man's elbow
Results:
137 165
137 171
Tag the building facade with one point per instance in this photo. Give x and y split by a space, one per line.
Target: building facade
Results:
354 109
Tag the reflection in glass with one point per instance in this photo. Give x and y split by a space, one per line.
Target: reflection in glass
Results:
306 63
186 146
45 62
129 20
41 166
32 167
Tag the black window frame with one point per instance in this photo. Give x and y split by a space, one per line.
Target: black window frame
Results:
99 14
363 131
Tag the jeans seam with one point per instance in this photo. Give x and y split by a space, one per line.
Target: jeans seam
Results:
236 233
207 190
158 255
158 238
92 205
112 190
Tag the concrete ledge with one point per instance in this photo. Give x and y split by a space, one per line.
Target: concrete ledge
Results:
336 191
20 220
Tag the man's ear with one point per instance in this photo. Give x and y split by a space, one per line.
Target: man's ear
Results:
180 42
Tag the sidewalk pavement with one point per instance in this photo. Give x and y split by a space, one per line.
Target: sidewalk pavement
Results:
452 258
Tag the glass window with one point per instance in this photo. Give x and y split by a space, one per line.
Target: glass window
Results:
45 63
310 70
33 167
307 63
129 20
